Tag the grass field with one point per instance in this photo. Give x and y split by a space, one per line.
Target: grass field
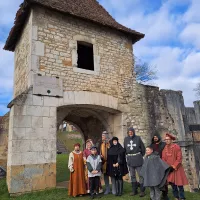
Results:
61 194
69 143
62 169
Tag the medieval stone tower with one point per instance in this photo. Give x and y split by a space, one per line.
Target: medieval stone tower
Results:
73 61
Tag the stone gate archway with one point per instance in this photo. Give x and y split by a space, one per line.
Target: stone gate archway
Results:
92 120
33 130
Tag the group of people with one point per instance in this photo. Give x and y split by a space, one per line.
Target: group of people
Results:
161 166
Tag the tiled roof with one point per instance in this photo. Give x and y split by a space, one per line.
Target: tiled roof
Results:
86 9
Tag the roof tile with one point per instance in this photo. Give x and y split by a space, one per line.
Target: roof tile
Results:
86 9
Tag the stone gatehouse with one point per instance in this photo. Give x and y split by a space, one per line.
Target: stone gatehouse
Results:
74 62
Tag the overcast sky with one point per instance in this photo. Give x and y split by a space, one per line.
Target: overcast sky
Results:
171 43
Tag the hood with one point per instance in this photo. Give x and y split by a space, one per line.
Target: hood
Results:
133 130
158 135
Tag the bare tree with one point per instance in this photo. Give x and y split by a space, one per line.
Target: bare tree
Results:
144 71
197 90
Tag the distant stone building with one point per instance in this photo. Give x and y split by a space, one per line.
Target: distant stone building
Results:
74 63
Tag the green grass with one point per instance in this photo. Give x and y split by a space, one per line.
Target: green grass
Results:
62 168
61 194
69 143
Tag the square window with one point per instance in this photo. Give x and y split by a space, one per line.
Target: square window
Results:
85 56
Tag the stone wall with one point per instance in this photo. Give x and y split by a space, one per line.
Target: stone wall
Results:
157 110
197 111
112 53
32 144
4 125
196 157
164 111
22 59
191 115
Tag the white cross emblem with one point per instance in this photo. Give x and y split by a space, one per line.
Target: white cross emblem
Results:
131 145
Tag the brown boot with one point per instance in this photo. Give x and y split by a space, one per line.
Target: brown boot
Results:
142 194
142 190
133 193
134 189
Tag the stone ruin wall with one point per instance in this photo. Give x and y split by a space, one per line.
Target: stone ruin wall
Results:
193 113
193 117
4 124
164 111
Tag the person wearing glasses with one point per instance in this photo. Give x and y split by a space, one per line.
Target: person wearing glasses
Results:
172 155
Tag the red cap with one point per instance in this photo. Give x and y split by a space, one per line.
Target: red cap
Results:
77 144
170 136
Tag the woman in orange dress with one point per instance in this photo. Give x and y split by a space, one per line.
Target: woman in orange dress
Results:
77 184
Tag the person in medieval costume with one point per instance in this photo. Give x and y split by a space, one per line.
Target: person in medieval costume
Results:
77 184
135 150
94 164
154 172
2 172
116 166
172 155
158 145
87 151
105 145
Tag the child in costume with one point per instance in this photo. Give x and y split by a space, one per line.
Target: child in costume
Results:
94 165
154 172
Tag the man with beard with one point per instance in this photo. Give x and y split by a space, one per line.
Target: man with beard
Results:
105 145
158 145
172 155
135 150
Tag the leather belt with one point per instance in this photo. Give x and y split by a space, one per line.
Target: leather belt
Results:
134 154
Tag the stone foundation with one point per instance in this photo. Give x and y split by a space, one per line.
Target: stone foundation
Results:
29 178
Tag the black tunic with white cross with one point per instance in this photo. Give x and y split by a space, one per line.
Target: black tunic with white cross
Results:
135 150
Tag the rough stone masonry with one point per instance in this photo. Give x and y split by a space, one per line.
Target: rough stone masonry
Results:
49 87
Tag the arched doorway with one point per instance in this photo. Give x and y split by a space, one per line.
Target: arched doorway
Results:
35 132
90 122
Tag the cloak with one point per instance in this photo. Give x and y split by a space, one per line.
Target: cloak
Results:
172 155
2 172
154 171
116 154
159 146
105 145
